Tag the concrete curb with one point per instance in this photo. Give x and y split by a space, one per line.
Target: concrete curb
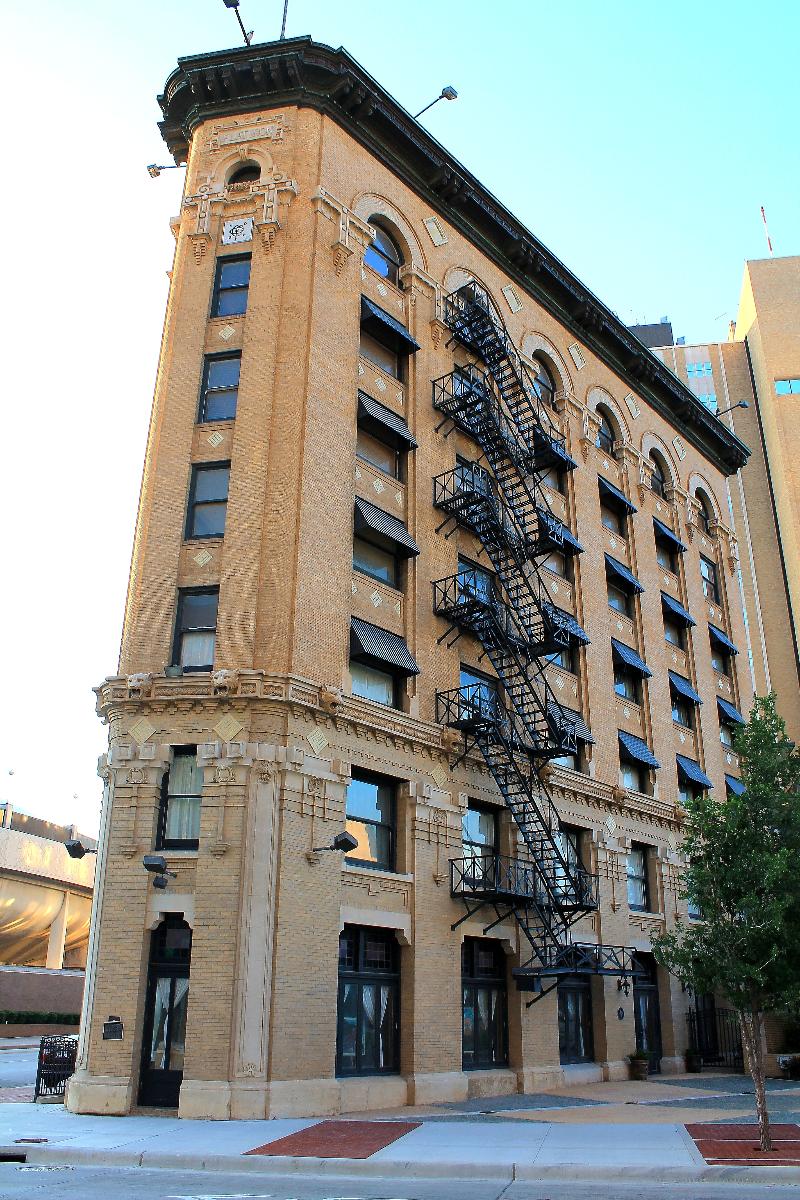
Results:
38 1155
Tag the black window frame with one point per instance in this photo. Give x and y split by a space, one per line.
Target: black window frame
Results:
606 436
218 291
398 471
162 842
658 478
493 1055
488 810
386 547
710 582
208 360
192 501
392 272
618 518
372 777
578 985
673 625
180 631
383 669
623 675
611 585
362 974
670 556
643 879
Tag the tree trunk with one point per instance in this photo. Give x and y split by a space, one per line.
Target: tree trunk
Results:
751 1023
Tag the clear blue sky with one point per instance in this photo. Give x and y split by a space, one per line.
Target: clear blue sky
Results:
636 140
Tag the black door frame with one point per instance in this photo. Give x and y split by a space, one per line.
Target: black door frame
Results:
645 985
160 1088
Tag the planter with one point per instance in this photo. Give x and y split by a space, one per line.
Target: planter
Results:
789 1065
640 1068
694 1062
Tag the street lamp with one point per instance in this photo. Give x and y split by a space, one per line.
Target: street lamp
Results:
76 849
343 841
155 169
725 411
157 866
447 93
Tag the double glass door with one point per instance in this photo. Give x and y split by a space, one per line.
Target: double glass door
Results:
646 1010
164 1040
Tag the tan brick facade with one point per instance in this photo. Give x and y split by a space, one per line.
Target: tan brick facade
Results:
277 729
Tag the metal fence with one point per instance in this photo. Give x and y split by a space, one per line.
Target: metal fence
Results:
57 1057
716 1037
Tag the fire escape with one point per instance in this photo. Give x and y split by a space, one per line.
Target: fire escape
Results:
519 725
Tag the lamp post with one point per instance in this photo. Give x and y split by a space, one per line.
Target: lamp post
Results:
447 93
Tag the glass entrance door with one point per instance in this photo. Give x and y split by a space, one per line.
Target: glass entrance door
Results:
164 1039
646 1011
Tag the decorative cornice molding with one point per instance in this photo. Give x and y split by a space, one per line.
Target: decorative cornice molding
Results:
304 73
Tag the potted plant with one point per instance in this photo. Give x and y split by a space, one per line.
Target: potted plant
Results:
639 1064
694 1062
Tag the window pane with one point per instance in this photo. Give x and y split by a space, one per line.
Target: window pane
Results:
183 819
386 359
208 520
374 842
232 304
199 610
468 1026
783 387
370 801
664 558
372 684
158 1041
348 1026
386 1024
474 581
223 372
672 633
177 1041
479 828
617 599
374 561
234 274
368 1040
376 452
611 520
185 775
557 563
211 483
630 776
197 649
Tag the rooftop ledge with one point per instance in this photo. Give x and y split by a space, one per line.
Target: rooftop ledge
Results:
301 72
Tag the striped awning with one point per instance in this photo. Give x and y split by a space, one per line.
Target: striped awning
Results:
664 534
562 617
734 785
581 730
630 658
383 423
689 770
634 749
386 328
614 496
568 543
373 644
683 687
721 639
729 712
369 517
620 571
677 611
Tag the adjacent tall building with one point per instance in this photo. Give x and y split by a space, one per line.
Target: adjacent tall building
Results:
431 550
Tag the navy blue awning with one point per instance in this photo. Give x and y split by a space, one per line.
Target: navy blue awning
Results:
729 712
374 644
614 495
368 516
630 658
735 785
568 543
721 639
622 572
634 748
684 688
386 328
677 611
663 534
384 424
574 719
574 630
690 770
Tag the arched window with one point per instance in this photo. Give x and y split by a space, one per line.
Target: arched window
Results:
658 475
249 173
706 513
606 433
383 254
543 381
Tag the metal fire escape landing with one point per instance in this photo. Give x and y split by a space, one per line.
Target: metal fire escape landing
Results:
519 724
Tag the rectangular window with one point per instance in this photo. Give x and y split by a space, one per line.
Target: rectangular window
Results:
479 694
686 793
375 561
726 734
681 711
370 683
666 558
612 520
618 600
553 478
377 453
569 844
787 387
484 1013
474 582
708 571
626 684
575 1034
196 628
181 796
479 830
382 356
368 1011
208 500
220 389
370 818
632 776
231 284
564 658
557 563
673 633
720 661
638 898
699 370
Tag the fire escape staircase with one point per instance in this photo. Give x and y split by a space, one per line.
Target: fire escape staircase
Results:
521 726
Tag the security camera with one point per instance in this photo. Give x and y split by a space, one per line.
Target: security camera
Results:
344 841
155 863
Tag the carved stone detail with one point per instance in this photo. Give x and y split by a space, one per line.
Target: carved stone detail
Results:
353 233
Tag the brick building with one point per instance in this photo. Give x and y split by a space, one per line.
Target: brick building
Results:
432 550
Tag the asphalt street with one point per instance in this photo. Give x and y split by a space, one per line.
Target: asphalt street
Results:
18 1068
89 1183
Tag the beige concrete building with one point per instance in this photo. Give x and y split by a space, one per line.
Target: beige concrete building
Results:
760 364
430 549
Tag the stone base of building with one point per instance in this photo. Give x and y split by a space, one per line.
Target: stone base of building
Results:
101 1095
674 1065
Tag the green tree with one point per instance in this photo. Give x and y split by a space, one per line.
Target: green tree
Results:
743 873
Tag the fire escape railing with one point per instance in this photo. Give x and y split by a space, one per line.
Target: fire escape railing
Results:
519 724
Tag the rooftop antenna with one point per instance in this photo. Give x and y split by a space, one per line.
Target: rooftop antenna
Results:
234 4
766 232
283 23
447 93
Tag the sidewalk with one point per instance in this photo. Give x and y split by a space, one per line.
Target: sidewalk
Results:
466 1144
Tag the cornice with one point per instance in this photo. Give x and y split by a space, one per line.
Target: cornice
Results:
305 73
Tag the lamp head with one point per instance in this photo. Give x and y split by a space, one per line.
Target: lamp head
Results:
75 848
345 842
153 171
155 863
231 3
744 404
160 882
449 93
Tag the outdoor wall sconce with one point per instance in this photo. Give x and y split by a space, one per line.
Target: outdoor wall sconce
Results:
157 866
344 841
624 985
76 849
